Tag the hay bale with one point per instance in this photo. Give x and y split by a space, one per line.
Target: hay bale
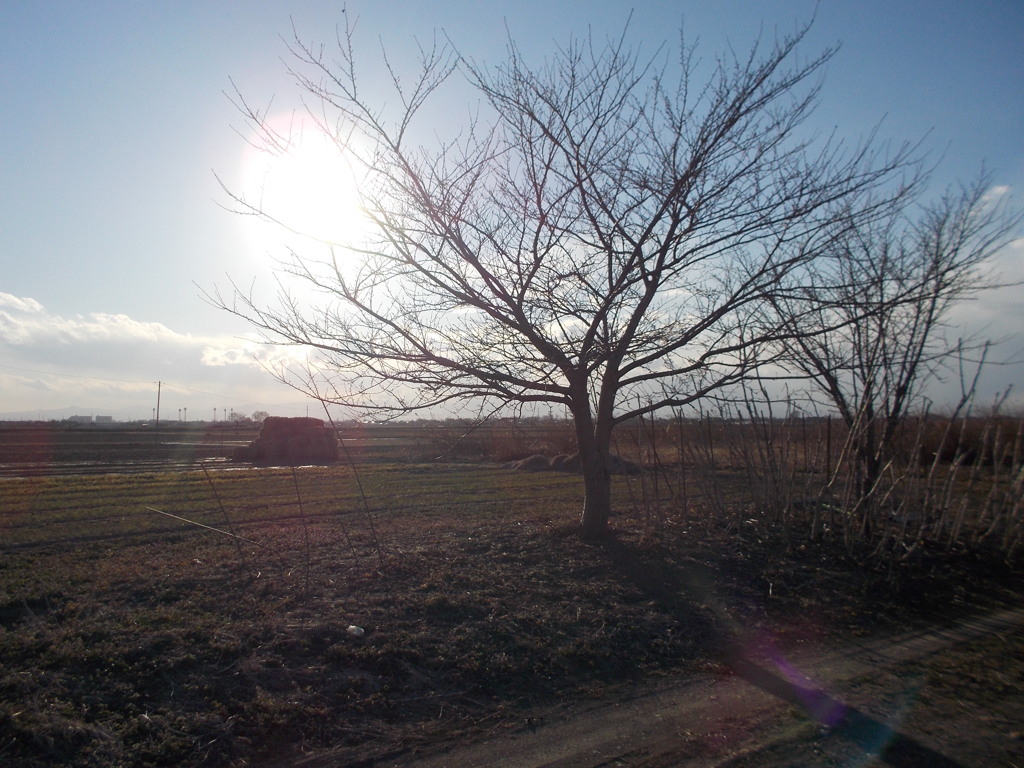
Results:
291 441
274 426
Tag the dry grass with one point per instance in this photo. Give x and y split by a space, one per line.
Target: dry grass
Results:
128 638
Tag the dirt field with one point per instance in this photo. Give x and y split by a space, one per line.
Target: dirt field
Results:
131 638
937 697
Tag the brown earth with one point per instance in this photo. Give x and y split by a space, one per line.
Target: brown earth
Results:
942 697
492 636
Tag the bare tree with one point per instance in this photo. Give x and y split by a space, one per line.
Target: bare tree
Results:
873 332
601 235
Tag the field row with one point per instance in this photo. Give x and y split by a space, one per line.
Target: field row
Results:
42 511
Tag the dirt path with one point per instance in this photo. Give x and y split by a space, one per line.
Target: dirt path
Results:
945 697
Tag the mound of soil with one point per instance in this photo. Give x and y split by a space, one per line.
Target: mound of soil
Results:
570 462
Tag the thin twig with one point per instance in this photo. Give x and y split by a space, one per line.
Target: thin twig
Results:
359 488
207 527
227 519
305 525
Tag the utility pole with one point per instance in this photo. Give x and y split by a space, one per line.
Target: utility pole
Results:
156 431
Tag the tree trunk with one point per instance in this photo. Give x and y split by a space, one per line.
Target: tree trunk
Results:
593 443
597 499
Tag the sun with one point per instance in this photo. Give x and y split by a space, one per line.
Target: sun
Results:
306 186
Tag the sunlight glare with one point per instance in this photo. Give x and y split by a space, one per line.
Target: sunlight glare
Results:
307 186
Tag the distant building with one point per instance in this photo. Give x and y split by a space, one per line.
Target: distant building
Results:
104 419
80 419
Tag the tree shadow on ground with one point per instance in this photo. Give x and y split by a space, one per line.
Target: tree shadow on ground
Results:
686 587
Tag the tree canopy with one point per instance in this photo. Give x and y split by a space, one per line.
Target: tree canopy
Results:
604 233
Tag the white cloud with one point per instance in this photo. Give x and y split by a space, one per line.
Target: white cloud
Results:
997 194
28 324
111 362
33 326
257 354
19 304
998 310
221 356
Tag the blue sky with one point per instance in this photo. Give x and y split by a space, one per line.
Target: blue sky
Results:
115 122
